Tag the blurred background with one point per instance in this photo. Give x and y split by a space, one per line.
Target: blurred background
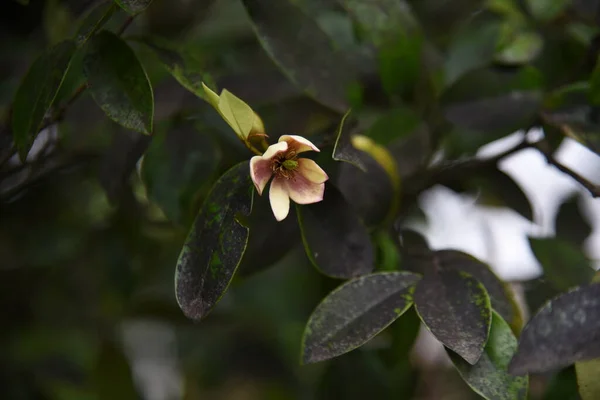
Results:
91 224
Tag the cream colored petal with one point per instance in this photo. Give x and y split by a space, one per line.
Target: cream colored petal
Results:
303 191
311 170
279 198
240 113
275 149
260 172
298 143
211 96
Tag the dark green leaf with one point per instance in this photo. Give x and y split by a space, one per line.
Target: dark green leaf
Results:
113 377
538 292
176 166
587 379
388 255
400 64
395 124
355 312
175 63
564 331
118 82
595 85
564 264
343 149
489 377
456 308
571 224
562 386
336 241
302 50
215 244
94 21
57 21
37 92
133 7
546 10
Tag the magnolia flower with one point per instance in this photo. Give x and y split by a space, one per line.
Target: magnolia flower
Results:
300 179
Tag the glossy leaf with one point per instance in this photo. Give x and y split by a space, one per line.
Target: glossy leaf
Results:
94 21
564 331
456 308
118 82
37 92
178 163
133 7
215 245
587 379
302 51
489 377
343 149
565 265
355 312
336 241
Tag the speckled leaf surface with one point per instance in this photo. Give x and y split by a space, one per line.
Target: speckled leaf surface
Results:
118 82
215 244
37 92
336 241
564 331
355 312
133 7
302 50
489 377
456 308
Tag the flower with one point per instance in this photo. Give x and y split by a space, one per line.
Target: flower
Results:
300 179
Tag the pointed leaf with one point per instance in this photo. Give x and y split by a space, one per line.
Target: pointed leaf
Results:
456 308
489 377
215 244
336 241
37 93
564 331
94 21
118 82
343 150
355 312
587 379
302 50
565 265
133 7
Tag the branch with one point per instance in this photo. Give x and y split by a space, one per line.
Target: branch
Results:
587 184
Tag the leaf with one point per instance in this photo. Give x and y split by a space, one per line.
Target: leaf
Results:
57 21
400 64
565 266
587 379
177 65
343 150
133 7
302 50
395 124
37 92
546 10
215 245
571 225
355 312
564 331
118 82
112 375
456 308
524 48
336 241
94 21
489 376
178 163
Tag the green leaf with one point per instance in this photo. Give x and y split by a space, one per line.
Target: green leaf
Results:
336 241
215 245
57 21
302 50
489 377
564 331
177 65
343 150
524 48
587 379
565 266
571 224
546 10
400 64
395 124
94 21
112 375
118 82
178 163
355 312
456 308
37 93
133 7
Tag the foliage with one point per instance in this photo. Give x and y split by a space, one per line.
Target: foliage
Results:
127 129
